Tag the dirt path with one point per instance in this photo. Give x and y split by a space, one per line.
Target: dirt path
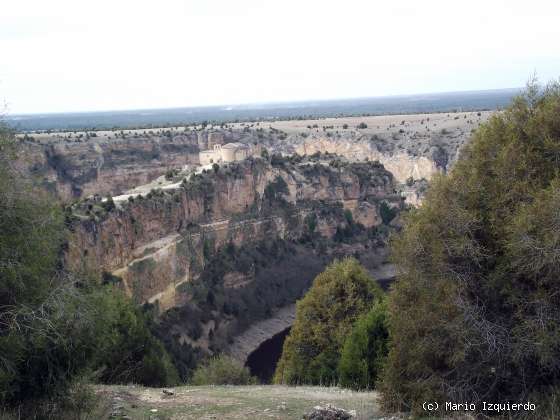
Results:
231 402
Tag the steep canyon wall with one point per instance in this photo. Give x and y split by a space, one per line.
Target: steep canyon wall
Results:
161 236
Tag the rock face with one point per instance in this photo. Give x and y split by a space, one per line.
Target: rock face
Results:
155 244
228 248
409 146
111 162
401 164
76 169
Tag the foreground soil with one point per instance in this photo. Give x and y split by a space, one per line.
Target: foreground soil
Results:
230 402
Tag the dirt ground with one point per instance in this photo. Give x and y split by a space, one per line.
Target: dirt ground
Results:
230 402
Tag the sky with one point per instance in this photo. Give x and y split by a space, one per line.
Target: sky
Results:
70 56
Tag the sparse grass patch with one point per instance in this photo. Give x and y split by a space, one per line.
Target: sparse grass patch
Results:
238 402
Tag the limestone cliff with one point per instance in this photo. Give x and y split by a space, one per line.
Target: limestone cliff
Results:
80 164
402 165
154 243
74 169
226 247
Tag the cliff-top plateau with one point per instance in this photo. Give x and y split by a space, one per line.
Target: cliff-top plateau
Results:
82 163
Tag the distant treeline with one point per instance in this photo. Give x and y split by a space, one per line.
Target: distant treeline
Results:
411 104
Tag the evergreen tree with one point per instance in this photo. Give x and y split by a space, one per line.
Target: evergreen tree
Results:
365 350
324 317
474 314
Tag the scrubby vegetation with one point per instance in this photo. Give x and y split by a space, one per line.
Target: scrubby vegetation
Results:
474 315
222 370
126 349
57 326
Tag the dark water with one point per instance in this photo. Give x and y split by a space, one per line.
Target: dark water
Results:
262 362
386 283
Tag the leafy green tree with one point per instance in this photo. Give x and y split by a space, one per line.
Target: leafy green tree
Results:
339 295
474 314
31 233
365 349
33 323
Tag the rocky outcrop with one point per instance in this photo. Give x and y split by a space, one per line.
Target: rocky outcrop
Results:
402 165
154 244
329 412
409 146
74 169
111 162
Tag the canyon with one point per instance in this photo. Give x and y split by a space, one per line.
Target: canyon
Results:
230 246
222 251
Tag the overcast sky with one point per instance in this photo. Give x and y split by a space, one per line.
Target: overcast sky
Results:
69 55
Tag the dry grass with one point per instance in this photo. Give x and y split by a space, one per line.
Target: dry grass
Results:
233 402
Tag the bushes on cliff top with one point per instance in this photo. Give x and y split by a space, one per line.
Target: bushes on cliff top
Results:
474 314
338 297
126 350
222 370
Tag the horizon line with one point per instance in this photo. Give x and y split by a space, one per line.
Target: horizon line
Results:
248 104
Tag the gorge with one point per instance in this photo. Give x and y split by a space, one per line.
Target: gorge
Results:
222 251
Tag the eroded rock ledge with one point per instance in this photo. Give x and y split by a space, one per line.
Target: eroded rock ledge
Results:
156 243
80 164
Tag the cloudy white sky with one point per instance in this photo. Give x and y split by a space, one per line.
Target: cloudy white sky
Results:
68 55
